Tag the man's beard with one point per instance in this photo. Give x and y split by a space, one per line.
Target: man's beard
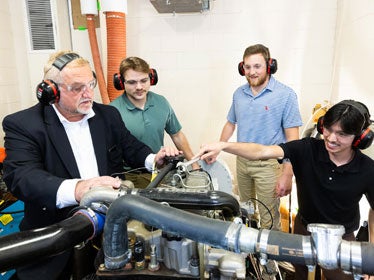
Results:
78 110
84 111
258 82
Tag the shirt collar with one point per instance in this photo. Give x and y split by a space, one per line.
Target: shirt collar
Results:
352 166
148 103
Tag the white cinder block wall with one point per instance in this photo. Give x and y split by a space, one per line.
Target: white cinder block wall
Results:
196 55
321 48
12 74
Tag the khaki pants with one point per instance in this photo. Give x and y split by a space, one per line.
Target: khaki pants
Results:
257 179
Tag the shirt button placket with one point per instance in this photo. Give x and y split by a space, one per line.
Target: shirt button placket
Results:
330 178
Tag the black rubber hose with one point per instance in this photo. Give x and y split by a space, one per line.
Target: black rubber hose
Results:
367 258
287 247
171 163
26 246
182 199
171 220
162 173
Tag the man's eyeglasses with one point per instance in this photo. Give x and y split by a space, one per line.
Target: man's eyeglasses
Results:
79 88
134 82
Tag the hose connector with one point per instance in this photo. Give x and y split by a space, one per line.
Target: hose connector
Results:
327 239
97 220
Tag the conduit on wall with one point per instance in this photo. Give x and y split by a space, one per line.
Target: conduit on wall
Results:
115 14
96 59
115 11
90 9
116 43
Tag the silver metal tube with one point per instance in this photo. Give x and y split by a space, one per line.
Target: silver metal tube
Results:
327 239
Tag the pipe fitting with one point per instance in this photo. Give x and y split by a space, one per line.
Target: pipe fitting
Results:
247 239
327 239
97 220
100 194
232 237
117 262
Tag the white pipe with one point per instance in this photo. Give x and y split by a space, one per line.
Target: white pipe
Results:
89 7
114 6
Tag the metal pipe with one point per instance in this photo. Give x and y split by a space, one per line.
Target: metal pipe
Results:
276 245
367 260
356 257
217 233
102 194
179 198
24 247
171 220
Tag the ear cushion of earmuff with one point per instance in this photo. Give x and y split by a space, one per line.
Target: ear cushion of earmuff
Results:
47 92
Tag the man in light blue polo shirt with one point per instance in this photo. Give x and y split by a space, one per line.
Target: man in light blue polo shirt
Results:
146 114
263 111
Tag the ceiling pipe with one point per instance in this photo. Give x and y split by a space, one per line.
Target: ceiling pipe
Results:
89 8
115 13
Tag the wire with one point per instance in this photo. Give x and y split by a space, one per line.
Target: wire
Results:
271 216
128 171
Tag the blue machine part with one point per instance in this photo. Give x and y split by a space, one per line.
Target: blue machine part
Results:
10 218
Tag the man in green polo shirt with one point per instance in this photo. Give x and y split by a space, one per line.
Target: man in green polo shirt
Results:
146 114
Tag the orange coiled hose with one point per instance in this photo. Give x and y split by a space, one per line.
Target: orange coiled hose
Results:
96 59
116 43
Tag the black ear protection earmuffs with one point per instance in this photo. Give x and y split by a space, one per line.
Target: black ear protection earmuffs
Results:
365 138
119 81
47 91
271 67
